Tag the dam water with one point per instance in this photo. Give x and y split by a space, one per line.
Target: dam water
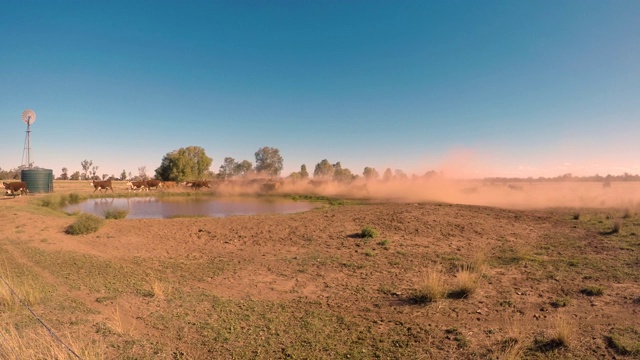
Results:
168 207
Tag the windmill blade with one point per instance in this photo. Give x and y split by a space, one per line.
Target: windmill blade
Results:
28 116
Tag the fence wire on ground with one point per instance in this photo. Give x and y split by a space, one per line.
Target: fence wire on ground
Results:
55 336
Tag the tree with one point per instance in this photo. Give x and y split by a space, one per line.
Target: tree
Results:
86 165
323 170
269 161
142 173
400 175
243 168
188 163
64 175
228 168
340 174
304 174
94 170
370 173
105 176
123 175
75 176
388 175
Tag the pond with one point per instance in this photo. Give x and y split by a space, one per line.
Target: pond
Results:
151 207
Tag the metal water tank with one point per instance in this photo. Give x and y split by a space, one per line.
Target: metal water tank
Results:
38 180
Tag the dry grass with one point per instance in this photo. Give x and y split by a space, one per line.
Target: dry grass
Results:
512 346
39 344
433 287
160 290
563 332
465 284
24 288
115 322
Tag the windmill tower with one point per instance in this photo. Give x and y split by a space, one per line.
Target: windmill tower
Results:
28 116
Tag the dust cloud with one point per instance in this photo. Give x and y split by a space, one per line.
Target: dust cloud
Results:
520 194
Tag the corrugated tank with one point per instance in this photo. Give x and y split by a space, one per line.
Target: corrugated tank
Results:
38 180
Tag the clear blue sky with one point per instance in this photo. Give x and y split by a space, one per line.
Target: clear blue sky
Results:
477 88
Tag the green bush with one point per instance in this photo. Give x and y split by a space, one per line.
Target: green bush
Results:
84 224
116 214
368 232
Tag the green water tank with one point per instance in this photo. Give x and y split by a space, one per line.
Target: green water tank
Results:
38 180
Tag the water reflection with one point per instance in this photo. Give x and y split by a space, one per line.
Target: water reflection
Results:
151 207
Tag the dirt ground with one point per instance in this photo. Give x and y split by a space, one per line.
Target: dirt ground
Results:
309 286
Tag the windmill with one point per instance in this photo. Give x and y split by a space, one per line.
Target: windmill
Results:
28 116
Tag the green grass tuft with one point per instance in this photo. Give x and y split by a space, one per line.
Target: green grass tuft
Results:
84 224
369 232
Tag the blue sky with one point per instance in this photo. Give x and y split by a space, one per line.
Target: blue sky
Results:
500 88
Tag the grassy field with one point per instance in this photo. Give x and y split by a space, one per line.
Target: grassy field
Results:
353 280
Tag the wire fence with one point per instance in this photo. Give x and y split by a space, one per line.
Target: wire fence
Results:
53 334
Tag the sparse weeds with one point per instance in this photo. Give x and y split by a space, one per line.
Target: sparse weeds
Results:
384 243
592 290
84 224
561 302
116 214
624 341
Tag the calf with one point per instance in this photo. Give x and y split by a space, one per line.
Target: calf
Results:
99 185
16 186
137 185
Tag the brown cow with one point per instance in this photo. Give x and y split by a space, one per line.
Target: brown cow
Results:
154 184
137 185
197 184
16 186
99 185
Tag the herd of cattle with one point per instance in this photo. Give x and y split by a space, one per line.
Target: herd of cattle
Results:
17 188
153 184
146 185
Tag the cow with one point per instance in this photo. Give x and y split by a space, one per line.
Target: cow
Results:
154 184
16 186
99 185
197 184
137 185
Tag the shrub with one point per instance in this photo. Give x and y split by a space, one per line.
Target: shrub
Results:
84 224
116 214
368 232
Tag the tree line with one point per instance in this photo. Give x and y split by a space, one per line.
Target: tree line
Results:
192 162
